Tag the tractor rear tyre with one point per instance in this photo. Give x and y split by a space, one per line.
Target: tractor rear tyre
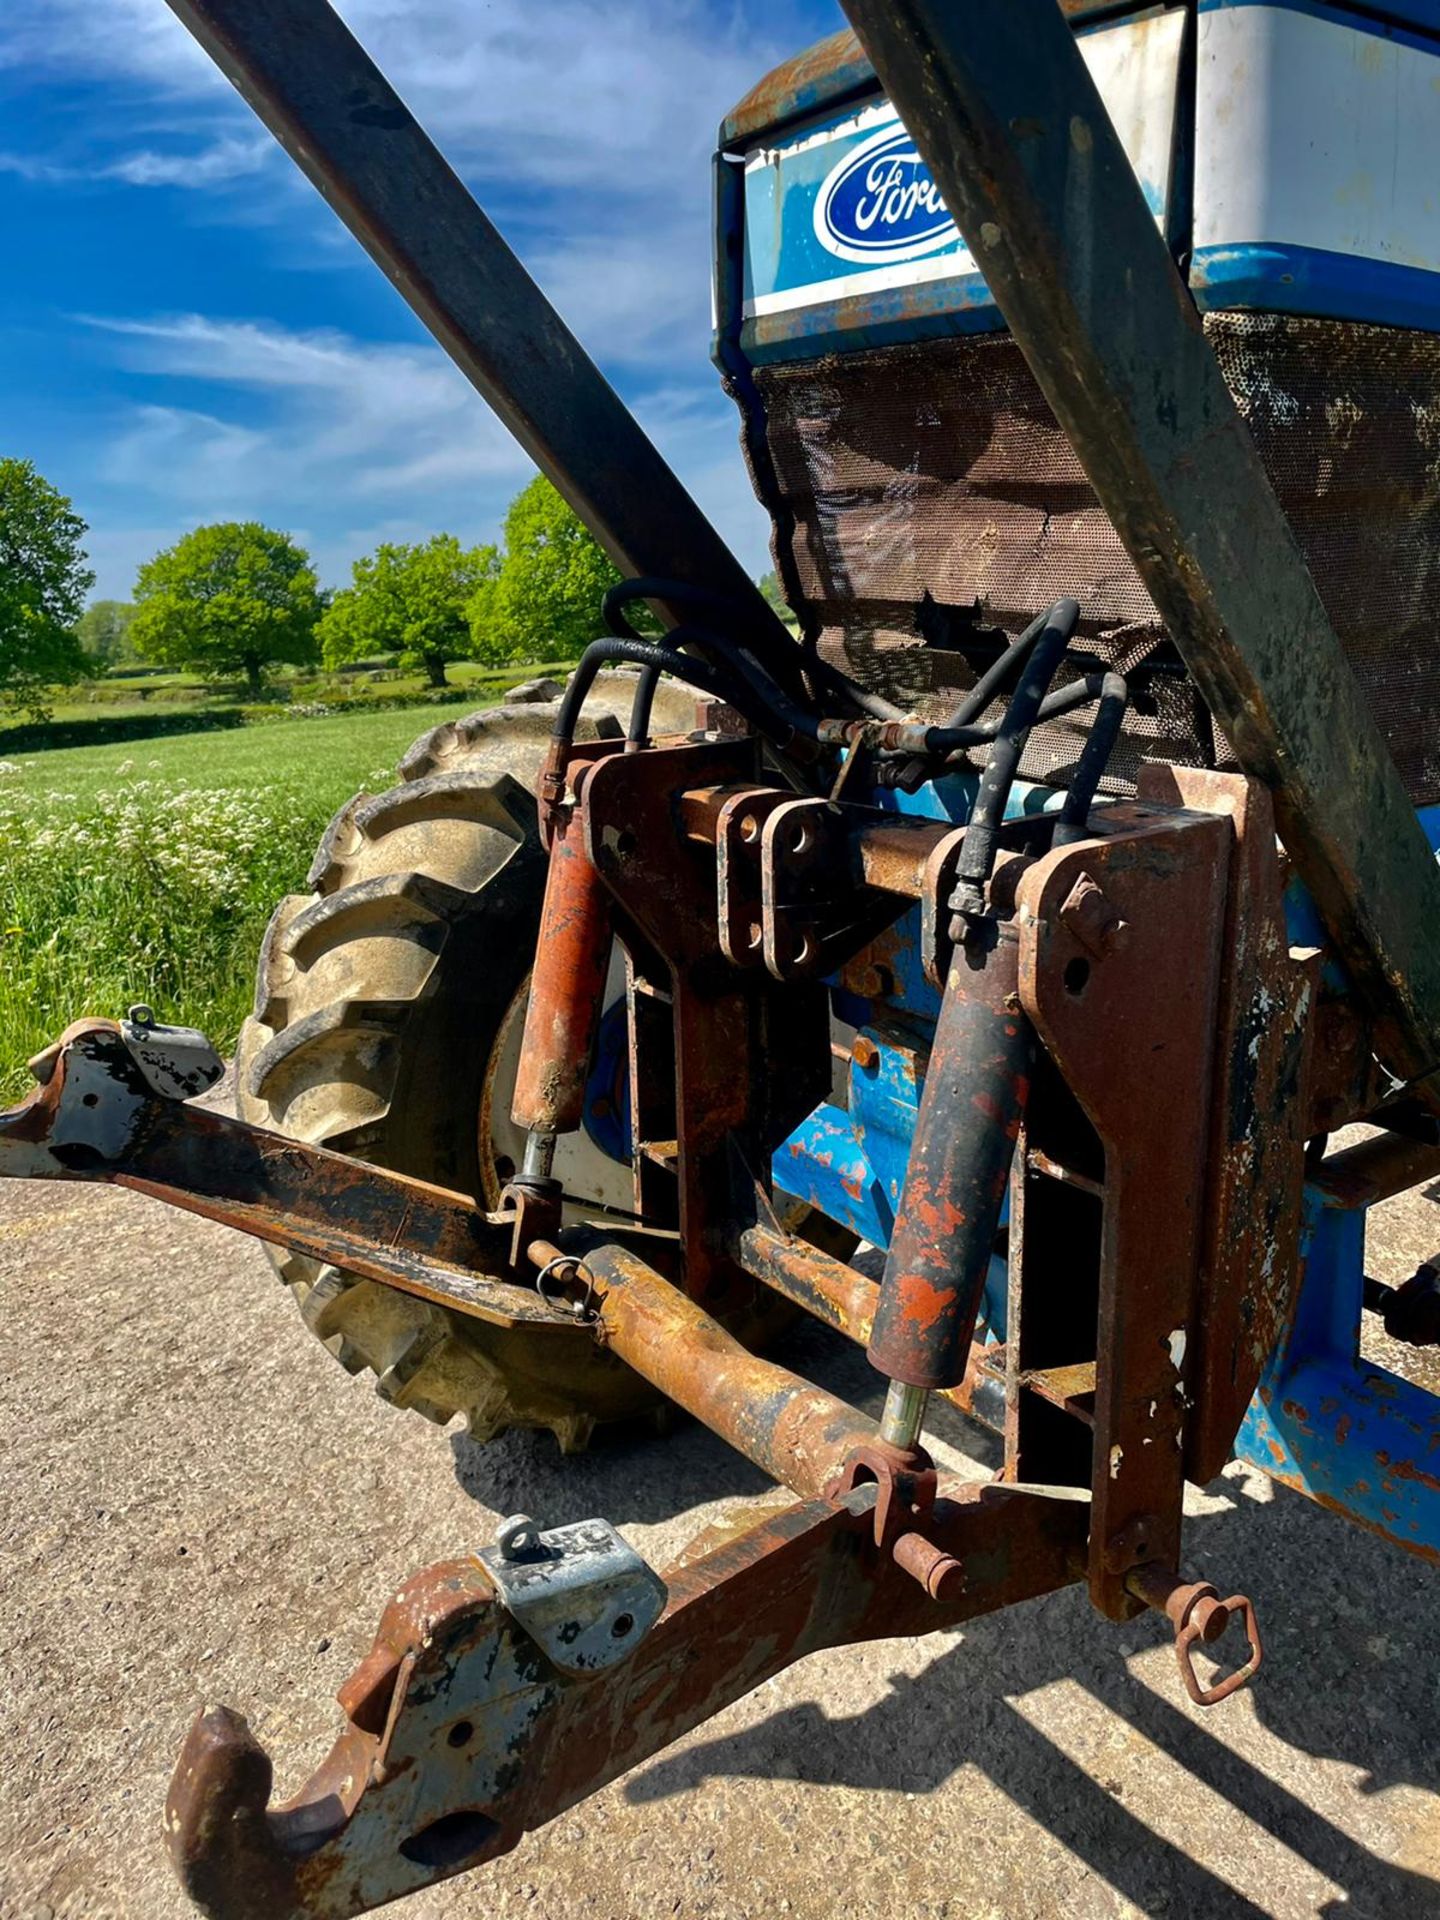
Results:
388 1008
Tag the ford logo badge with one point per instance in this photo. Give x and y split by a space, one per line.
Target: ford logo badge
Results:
879 203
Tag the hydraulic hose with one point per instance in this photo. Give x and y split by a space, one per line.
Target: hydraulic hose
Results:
1074 818
719 684
637 735
982 833
682 593
992 683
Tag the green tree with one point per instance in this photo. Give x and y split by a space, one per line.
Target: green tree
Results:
774 593
544 602
228 600
104 632
43 583
410 600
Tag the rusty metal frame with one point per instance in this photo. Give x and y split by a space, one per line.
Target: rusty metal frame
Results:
748 1057
1128 1021
461 1737
97 1118
1144 956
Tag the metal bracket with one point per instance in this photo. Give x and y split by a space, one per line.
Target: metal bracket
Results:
815 914
177 1062
583 1594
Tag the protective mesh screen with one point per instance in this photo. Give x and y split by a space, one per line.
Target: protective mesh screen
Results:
934 497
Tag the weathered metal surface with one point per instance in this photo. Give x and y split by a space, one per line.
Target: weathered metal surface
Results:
1374 1170
814 914
177 1062
1016 137
581 1592
846 1300
1250 1262
820 76
1348 1434
1197 1613
462 1737
736 839
750 1057
330 107
797 1433
567 988
96 1118
975 1090
1132 1032
823 76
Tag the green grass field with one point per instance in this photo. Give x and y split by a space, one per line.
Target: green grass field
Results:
147 871
139 708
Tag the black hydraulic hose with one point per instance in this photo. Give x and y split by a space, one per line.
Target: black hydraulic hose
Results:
998 675
946 743
991 684
730 653
1074 819
698 673
982 832
638 733
735 659
683 593
1079 693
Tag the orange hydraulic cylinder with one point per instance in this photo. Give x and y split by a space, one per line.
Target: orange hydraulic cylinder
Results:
567 989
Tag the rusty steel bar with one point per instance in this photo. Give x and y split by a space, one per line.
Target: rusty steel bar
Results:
797 1433
1375 1170
567 988
839 1297
96 1119
1010 123
970 1110
327 103
823 1286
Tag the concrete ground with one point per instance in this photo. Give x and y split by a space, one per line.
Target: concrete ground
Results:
199 1505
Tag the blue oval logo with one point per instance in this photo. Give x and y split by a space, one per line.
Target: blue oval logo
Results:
880 204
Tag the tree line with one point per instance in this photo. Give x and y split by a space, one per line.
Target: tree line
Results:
234 600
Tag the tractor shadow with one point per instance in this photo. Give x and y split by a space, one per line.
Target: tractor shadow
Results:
1352 1640
1352 1645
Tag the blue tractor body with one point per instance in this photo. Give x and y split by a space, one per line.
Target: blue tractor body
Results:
1297 199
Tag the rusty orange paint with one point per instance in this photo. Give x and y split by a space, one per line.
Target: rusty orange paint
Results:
567 989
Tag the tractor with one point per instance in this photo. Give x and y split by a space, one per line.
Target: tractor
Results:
981 964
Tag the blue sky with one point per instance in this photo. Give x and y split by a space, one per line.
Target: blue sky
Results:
187 334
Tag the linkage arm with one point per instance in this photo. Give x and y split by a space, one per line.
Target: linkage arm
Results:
98 1116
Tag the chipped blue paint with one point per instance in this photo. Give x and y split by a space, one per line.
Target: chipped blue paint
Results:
1348 1434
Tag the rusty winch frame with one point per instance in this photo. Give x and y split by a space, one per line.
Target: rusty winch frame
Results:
1129 1043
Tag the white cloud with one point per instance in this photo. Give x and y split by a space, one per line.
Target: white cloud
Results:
585 131
330 429
359 441
231 158
328 412
228 159
623 99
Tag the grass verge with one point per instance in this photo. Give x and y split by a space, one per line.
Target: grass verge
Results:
148 873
